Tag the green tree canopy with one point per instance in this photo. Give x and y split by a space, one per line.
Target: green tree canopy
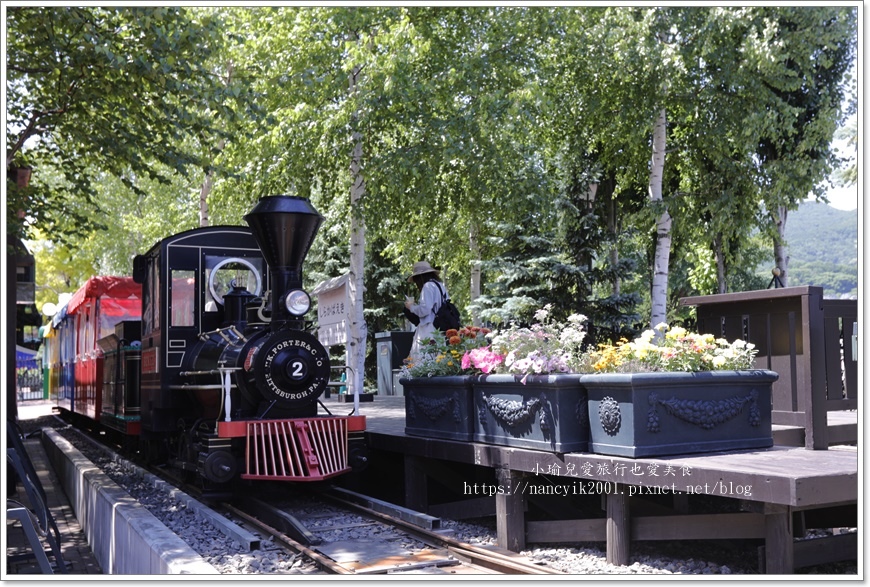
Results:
116 91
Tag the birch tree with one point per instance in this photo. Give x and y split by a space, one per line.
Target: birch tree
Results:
659 289
357 330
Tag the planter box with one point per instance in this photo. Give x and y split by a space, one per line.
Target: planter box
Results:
653 414
438 407
548 412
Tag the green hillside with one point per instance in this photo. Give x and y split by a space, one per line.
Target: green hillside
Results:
823 246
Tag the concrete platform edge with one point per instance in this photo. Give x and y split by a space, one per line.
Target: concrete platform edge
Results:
126 529
239 535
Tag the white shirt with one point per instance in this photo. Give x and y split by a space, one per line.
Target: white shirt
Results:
430 301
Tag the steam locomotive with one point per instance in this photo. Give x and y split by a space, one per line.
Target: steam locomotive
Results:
218 375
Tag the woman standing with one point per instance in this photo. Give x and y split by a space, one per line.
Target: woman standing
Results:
432 293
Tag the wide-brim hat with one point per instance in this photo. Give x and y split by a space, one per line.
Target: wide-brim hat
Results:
422 267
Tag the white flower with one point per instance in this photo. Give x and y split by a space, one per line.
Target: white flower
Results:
541 315
647 336
576 319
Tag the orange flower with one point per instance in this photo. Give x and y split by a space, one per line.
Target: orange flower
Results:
455 340
451 333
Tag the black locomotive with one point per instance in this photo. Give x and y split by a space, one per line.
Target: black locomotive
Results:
227 377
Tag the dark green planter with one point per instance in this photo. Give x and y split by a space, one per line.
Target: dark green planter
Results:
653 414
438 407
548 412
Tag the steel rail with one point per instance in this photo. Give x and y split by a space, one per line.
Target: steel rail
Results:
325 562
483 557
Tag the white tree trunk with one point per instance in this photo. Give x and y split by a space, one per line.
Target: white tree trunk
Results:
780 250
203 197
659 290
357 330
474 291
614 251
208 182
205 190
721 276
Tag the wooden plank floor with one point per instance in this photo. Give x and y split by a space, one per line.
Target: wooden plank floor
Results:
790 476
842 429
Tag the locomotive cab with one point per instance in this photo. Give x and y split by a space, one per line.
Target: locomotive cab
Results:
184 279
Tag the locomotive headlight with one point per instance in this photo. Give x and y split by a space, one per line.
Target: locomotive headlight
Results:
297 302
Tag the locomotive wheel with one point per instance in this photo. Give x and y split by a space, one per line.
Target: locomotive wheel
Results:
218 467
291 368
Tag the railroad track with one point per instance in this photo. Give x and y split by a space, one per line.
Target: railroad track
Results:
384 543
404 541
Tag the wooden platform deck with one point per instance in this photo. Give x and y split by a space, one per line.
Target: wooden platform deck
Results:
778 490
842 428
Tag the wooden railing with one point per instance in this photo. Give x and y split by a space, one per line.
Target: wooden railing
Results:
805 338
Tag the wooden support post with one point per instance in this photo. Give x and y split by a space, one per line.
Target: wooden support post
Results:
618 527
778 540
510 505
814 393
681 503
416 484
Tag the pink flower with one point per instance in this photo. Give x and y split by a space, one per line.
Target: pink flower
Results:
482 358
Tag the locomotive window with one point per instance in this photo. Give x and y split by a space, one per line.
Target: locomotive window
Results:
183 298
228 273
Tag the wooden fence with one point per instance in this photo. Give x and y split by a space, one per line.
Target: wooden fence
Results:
810 341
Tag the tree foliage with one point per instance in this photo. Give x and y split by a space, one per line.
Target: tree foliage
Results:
117 91
479 132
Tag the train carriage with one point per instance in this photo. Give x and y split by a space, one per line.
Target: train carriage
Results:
77 360
121 371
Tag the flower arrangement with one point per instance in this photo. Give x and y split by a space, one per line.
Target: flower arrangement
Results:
546 346
673 349
446 355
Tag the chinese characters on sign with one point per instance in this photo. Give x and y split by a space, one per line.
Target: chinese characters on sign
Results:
333 302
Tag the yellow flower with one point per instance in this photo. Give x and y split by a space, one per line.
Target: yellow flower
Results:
675 333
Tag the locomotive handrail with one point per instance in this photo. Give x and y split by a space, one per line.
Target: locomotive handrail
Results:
222 332
194 373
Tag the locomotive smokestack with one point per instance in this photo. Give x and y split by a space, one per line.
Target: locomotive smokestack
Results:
284 227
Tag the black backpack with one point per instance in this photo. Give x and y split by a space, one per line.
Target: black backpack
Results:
447 316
